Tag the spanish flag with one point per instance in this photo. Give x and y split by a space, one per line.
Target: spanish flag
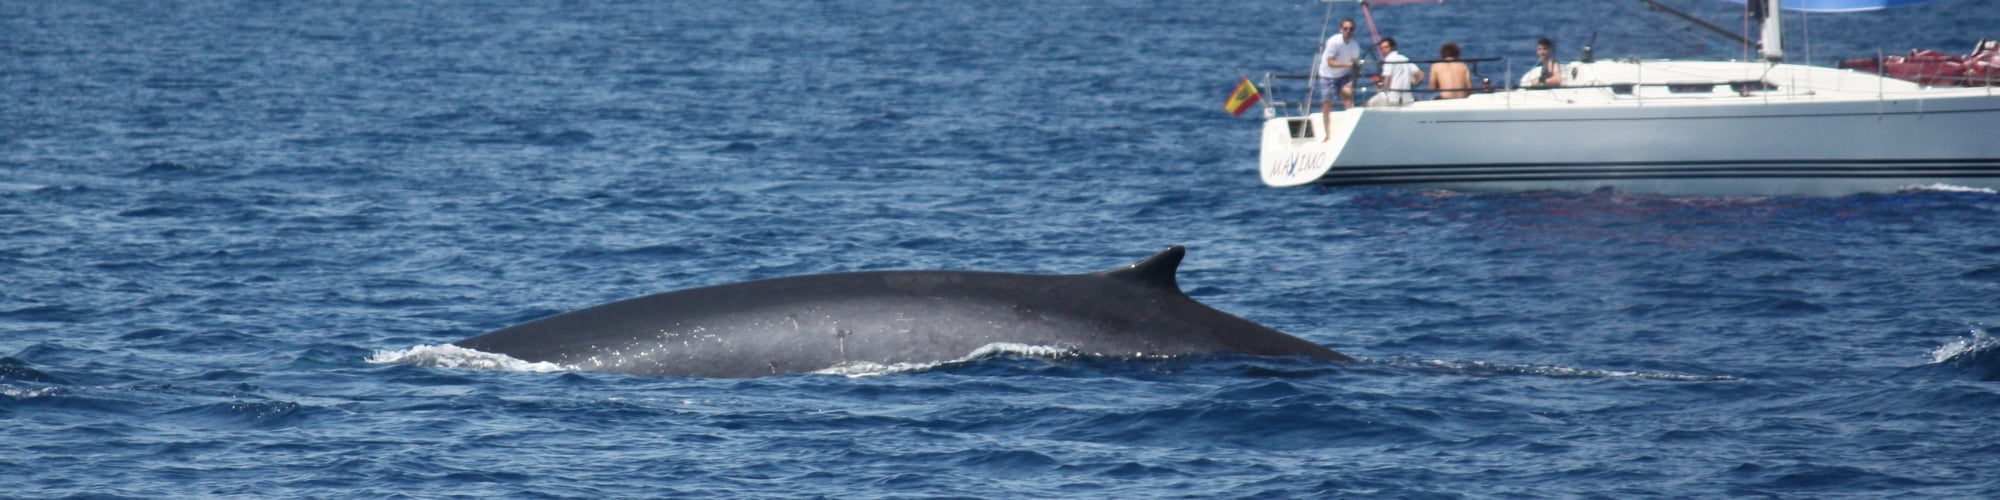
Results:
1244 96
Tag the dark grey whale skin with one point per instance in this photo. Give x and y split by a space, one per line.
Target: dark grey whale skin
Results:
815 322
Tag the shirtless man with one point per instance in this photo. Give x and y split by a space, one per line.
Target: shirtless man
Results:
1450 78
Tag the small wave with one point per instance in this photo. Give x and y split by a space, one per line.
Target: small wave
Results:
1976 353
1984 273
1485 368
451 356
1963 346
164 169
11 392
1949 189
14 369
868 369
1758 255
559 139
265 414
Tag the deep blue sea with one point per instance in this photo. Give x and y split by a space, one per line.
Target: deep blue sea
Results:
233 232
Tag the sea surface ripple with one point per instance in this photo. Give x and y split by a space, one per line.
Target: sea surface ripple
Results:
233 234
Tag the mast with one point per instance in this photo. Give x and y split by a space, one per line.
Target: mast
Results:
1772 42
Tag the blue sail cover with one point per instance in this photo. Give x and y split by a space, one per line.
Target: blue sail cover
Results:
1842 5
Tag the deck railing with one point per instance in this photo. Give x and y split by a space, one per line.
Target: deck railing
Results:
1274 91
1274 86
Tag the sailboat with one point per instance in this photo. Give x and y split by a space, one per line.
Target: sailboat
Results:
1704 128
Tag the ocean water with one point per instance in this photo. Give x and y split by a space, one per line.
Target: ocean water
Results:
234 234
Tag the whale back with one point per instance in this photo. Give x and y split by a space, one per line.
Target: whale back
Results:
814 322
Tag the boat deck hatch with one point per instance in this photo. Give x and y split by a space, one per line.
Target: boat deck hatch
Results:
1740 87
1691 88
1745 87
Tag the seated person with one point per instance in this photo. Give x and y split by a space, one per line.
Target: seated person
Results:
1547 72
1398 76
1450 77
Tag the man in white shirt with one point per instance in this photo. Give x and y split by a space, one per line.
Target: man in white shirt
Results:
1334 73
1398 76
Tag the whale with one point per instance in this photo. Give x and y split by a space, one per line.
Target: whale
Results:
822 322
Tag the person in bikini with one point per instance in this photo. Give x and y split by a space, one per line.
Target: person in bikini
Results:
1547 73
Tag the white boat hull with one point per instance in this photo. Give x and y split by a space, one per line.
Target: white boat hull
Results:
1836 138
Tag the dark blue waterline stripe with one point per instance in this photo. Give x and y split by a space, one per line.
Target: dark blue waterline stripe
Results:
1688 165
1666 170
1711 117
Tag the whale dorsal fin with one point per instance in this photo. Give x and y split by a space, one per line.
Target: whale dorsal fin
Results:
1156 271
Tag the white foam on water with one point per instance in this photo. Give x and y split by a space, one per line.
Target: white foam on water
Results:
1974 341
451 356
28 393
868 369
1564 371
1950 189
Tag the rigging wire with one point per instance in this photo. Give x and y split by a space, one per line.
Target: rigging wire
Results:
1691 41
1319 57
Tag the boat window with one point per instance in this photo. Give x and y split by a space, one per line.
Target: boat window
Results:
1691 88
1301 128
1622 88
1748 86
